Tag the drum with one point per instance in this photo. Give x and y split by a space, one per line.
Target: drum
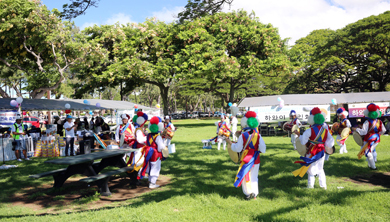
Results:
295 127
330 151
335 127
170 133
358 139
287 127
224 133
165 152
236 157
302 149
345 133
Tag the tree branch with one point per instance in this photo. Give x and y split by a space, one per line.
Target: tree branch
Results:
38 57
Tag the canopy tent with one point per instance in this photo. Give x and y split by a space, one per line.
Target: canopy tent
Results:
44 104
76 104
316 99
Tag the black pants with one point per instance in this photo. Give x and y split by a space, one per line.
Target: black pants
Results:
69 141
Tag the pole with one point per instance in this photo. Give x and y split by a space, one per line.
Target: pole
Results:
2 146
49 112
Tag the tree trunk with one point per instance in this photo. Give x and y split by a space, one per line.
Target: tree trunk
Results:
4 93
164 95
175 104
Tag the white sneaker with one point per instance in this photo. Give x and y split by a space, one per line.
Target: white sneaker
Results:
345 151
153 185
27 158
20 160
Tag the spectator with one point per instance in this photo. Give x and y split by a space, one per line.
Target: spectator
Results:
91 124
19 135
60 126
86 125
69 133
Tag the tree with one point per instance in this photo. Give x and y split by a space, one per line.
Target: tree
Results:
108 39
36 42
234 51
363 48
200 8
306 61
76 8
148 53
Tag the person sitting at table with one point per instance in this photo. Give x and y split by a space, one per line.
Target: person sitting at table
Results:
105 130
153 152
69 134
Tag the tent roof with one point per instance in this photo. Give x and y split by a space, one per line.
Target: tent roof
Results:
316 99
75 104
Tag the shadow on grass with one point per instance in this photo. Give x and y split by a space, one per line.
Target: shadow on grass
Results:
198 171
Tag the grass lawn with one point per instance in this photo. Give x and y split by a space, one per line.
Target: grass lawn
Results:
201 187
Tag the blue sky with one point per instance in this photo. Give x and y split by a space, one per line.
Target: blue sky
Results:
294 18
109 11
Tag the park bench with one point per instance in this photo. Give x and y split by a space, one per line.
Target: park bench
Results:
53 172
105 177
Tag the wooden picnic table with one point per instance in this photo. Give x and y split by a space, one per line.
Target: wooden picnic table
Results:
84 164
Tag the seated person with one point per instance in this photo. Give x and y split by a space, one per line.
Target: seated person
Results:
105 130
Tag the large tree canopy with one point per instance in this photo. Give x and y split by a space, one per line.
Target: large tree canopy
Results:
36 42
352 59
234 51
200 8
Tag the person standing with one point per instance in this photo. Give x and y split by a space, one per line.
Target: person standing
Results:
294 121
153 152
344 123
91 124
19 135
69 134
251 144
372 129
60 126
170 129
317 137
222 127
234 122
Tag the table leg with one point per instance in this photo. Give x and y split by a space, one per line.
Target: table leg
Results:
84 169
103 187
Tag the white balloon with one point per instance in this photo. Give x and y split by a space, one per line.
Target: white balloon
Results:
19 100
67 106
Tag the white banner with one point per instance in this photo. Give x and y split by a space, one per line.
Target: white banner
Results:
7 117
276 114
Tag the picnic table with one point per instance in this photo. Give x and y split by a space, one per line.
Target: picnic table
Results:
85 165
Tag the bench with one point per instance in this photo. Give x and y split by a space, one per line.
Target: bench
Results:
105 177
53 172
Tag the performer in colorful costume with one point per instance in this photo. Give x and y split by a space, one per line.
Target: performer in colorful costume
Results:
224 126
136 159
126 129
251 144
152 151
294 121
317 137
170 128
344 123
372 129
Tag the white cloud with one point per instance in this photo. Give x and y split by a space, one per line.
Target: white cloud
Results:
88 24
168 15
119 17
297 18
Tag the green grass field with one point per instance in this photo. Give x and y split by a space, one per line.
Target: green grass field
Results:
201 187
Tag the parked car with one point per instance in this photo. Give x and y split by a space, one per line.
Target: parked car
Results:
205 114
217 114
34 121
195 114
